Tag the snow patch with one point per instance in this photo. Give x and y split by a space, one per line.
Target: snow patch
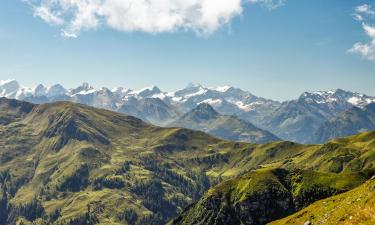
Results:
201 91
210 101
222 88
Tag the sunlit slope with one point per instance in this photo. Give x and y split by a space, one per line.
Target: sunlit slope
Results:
353 207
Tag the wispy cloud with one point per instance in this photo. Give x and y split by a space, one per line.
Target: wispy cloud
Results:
271 4
152 16
365 14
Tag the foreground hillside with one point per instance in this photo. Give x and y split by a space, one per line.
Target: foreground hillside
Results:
354 207
263 196
270 193
66 163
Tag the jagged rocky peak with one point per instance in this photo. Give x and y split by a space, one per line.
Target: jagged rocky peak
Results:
40 90
56 90
146 92
190 89
82 89
205 110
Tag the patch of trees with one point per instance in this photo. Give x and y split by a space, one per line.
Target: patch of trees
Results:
12 184
315 193
77 181
3 206
125 167
193 185
153 193
108 182
211 159
130 216
30 211
163 172
170 147
202 185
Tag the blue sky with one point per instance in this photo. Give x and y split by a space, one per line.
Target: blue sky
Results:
276 53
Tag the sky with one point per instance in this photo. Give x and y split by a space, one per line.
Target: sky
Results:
274 49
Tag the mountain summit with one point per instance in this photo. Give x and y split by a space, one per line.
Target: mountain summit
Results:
202 112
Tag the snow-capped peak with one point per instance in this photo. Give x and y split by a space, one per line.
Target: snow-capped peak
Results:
83 89
2 82
222 88
149 88
146 92
10 85
338 95
8 88
120 90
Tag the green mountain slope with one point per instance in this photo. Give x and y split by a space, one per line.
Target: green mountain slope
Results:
353 207
267 193
66 163
206 119
64 157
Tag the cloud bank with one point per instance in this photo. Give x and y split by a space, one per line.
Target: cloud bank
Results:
365 14
151 16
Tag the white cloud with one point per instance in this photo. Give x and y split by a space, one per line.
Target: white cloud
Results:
152 16
366 14
45 13
365 9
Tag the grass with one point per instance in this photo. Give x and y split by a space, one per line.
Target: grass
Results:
353 207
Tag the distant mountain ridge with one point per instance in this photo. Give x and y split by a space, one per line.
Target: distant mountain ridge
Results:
349 122
295 120
206 119
299 119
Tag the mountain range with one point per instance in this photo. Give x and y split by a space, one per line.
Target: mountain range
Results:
69 163
295 120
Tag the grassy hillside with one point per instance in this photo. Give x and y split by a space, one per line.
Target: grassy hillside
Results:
66 163
353 207
264 195
268 193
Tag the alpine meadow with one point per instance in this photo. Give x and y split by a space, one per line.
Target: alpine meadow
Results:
187 112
